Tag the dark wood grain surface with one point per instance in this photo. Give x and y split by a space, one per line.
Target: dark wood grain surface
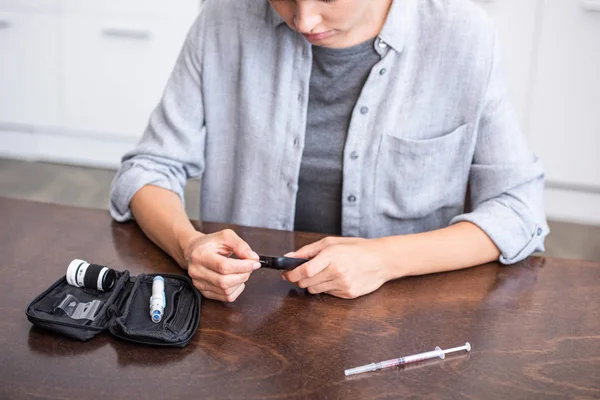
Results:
534 327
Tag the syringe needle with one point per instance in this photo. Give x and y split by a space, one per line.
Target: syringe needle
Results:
405 360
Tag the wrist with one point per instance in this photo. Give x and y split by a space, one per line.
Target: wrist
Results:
393 257
184 239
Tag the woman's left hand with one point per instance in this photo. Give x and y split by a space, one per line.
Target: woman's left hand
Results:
343 267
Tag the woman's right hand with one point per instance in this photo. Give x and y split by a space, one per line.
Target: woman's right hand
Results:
213 272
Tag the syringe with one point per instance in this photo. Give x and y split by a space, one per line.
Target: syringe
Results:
405 360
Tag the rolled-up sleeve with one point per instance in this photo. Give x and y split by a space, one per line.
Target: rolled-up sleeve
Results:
506 179
171 149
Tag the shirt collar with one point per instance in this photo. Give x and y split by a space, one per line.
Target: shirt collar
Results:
398 24
395 29
273 16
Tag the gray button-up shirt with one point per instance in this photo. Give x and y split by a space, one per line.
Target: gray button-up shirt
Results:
432 120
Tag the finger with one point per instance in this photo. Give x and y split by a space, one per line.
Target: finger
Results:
342 294
219 280
240 248
323 287
322 277
226 265
311 250
227 298
307 270
205 286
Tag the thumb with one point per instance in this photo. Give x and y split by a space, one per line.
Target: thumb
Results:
239 247
309 251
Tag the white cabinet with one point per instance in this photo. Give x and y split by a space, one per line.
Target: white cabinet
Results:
36 6
565 113
136 8
79 78
29 69
515 21
115 71
551 54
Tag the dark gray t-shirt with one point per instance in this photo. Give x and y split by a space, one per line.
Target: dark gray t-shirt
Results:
337 79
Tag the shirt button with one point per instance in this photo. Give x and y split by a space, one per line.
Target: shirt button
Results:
351 198
353 155
382 44
382 71
290 185
299 96
296 141
364 110
539 232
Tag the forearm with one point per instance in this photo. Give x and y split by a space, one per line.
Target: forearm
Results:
458 246
162 217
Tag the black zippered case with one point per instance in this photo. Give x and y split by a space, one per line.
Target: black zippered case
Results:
124 310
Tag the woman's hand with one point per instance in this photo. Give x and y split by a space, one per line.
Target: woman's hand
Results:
216 275
343 267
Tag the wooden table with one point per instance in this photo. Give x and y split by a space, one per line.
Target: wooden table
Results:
534 327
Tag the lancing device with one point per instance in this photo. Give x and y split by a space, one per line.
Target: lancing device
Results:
281 263
158 300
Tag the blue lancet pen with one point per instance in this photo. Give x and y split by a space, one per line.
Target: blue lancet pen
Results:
158 300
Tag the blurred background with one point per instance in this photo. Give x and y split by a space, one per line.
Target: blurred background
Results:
79 78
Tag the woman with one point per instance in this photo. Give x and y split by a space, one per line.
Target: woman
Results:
361 118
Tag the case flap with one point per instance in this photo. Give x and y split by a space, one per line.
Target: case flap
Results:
76 312
180 318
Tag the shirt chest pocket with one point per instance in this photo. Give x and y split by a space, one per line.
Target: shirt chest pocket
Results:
415 178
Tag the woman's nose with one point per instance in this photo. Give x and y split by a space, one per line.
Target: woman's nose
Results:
306 18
